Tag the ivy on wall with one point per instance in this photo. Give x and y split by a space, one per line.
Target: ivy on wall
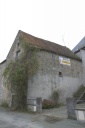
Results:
18 72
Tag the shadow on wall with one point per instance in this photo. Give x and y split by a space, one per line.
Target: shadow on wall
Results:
65 92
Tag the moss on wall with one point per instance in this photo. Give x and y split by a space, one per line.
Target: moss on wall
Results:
18 72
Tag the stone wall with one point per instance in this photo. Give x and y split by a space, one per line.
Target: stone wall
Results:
48 78
5 95
15 50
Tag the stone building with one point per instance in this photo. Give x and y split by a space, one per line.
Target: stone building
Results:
59 69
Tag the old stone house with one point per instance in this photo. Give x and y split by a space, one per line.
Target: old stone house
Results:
59 69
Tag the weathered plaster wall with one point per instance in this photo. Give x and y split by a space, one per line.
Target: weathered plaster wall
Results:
81 54
2 67
47 79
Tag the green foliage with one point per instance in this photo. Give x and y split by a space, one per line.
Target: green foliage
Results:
55 96
78 93
4 104
46 104
18 72
53 102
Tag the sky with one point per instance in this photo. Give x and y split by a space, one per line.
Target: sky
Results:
59 21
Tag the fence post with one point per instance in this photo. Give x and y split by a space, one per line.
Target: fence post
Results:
39 104
70 108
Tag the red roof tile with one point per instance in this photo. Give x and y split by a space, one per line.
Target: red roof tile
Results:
50 46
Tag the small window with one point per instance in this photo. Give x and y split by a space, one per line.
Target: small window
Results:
17 54
18 44
60 74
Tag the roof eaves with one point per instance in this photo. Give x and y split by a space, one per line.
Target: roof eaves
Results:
3 61
50 46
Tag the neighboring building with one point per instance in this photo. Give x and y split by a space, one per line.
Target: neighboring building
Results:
2 88
59 69
79 50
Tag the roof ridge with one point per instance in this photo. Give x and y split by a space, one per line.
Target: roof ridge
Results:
49 46
40 38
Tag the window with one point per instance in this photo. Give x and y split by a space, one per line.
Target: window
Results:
17 54
60 74
18 44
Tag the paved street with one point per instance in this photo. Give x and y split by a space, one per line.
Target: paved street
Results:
9 119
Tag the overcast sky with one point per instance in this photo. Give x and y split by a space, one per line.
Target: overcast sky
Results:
60 21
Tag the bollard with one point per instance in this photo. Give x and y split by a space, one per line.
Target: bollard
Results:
70 108
39 104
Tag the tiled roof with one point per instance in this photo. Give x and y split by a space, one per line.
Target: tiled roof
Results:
50 46
3 62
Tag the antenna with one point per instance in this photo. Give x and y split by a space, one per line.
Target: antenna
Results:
63 40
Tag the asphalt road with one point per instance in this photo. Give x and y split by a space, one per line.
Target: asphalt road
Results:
9 119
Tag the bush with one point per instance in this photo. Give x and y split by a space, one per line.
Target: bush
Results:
4 104
55 96
48 104
18 72
53 102
79 92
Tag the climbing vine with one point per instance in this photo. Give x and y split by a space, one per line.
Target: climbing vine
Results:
18 72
